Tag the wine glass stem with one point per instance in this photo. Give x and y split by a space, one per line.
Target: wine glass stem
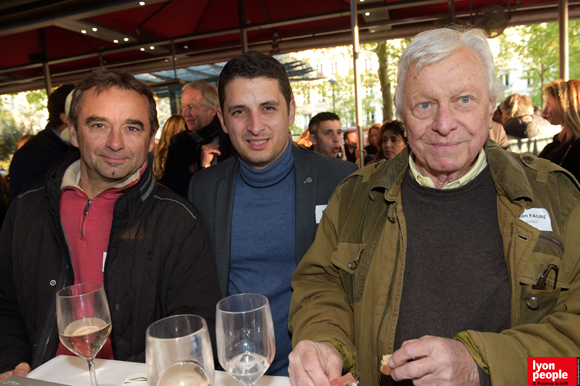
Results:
93 376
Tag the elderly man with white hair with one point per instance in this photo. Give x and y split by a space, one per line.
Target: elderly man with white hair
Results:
458 258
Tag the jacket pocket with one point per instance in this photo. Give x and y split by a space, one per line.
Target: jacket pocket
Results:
536 303
347 258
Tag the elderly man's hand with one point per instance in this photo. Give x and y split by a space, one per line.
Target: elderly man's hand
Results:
208 151
21 370
437 361
314 364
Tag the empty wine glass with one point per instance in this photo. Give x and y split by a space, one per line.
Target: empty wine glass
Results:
178 352
84 321
245 336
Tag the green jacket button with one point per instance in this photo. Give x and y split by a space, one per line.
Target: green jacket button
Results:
352 264
391 219
533 303
529 160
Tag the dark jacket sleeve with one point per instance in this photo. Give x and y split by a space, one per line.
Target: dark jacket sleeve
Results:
14 343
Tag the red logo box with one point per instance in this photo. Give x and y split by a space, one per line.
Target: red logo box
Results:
553 371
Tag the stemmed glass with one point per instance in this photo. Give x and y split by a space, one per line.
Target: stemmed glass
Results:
84 321
178 352
245 336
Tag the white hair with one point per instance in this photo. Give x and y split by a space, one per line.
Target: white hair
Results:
432 46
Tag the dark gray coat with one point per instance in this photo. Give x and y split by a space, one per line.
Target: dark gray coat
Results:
212 191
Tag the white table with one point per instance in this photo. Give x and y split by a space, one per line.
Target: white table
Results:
73 371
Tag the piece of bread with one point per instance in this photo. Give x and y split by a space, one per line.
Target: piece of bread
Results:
385 368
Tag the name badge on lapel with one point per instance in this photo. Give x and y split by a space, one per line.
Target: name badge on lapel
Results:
539 218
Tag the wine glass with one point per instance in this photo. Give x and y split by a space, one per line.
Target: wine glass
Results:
245 336
84 321
178 352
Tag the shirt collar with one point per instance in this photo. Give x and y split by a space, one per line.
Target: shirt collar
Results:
480 164
72 177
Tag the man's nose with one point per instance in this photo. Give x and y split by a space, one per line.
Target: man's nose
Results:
115 140
445 120
255 124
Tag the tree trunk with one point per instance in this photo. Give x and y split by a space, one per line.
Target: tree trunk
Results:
381 52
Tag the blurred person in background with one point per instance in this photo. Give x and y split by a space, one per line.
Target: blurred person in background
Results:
372 144
325 132
392 139
175 124
351 145
519 120
563 108
202 144
304 139
45 148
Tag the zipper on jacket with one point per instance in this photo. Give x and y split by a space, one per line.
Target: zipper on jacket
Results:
85 213
551 240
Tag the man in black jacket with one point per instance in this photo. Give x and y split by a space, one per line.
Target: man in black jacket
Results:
102 218
202 144
44 149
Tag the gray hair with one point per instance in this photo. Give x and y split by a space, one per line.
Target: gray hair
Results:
432 46
209 93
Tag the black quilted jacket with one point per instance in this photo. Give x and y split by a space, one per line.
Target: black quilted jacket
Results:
158 264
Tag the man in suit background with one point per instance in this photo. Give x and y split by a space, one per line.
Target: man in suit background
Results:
199 105
262 207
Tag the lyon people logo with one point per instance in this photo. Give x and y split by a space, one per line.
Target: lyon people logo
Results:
552 371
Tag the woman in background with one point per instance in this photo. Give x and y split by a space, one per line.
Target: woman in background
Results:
563 108
174 125
391 140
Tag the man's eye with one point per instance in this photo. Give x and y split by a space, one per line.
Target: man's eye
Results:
424 105
237 112
465 99
133 128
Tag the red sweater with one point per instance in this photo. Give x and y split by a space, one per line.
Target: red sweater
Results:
87 225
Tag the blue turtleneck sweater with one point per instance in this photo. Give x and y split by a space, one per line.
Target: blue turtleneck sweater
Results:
263 251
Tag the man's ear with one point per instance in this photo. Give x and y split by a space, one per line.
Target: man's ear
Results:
64 119
291 111
214 110
313 139
73 135
152 142
491 110
221 118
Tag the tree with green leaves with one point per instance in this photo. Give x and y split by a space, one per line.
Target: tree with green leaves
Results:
536 47
16 122
388 54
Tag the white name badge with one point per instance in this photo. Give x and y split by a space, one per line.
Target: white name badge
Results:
319 210
539 218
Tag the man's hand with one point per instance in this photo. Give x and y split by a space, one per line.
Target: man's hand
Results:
21 370
208 151
437 361
314 364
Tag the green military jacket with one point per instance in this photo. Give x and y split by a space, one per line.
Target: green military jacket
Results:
348 286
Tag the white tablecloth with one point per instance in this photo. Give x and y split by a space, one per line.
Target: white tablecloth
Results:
74 371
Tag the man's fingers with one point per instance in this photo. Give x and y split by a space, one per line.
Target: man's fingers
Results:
413 369
22 369
314 364
5 375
